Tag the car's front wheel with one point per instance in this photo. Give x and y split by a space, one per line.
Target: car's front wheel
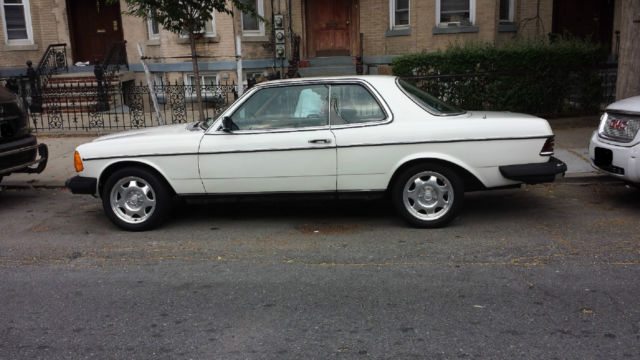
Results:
136 199
428 195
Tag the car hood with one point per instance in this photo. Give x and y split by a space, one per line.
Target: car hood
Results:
161 140
146 132
631 104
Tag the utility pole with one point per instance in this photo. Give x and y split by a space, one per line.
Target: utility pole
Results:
239 63
154 98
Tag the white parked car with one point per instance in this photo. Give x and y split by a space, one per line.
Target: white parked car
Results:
615 146
331 136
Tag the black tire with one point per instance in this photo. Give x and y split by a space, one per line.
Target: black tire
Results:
434 204
136 199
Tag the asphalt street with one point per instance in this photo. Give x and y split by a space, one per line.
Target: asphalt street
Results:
542 272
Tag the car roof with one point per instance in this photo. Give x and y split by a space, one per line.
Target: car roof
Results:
372 79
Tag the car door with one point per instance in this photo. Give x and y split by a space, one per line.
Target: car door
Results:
358 121
280 142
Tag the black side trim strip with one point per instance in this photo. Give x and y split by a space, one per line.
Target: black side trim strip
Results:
136 156
322 148
444 141
283 196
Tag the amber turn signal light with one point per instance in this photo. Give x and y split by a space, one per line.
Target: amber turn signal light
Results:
77 162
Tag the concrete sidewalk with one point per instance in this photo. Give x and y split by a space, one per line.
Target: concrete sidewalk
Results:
572 142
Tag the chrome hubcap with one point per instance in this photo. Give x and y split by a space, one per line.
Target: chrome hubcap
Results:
428 195
133 199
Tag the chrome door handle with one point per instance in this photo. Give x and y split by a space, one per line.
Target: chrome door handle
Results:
320 141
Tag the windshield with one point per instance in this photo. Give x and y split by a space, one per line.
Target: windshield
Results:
430 103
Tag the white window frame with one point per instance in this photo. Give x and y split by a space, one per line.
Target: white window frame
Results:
187 81
158 79
260 31
27 19
254 74
150 33
392 12
472 13
205 33
512 4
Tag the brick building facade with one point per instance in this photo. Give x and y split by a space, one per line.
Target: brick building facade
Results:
383 29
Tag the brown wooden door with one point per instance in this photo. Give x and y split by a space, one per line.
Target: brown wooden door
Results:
328 27
590 19
94 26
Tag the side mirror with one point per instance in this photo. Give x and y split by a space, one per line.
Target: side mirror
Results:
227 124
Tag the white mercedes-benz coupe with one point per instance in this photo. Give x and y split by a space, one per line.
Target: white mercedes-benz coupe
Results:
338 136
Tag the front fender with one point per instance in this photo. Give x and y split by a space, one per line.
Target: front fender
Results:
185 179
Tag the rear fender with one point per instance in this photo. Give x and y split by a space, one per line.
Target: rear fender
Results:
456 164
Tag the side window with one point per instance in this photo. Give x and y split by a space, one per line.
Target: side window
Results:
352 104
283 108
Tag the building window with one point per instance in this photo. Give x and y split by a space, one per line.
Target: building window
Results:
209 85
399 14
153 29
506 11
209 29
17 22
158 80
252 26
455 12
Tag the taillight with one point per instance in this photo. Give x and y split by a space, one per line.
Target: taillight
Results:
547 148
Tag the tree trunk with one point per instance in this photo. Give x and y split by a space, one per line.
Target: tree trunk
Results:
196 75
628 83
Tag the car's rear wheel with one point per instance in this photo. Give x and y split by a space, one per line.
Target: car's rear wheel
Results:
136 199
428 195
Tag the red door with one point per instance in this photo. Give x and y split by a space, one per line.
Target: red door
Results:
328 25
94 26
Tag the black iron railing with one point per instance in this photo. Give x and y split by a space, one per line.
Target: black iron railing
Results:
294 62
53 61
360 56
115 57
581 93
73 107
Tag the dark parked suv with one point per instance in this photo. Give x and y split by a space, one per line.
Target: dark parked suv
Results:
19 150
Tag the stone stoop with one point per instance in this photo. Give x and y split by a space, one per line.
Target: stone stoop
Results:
328 66
78 92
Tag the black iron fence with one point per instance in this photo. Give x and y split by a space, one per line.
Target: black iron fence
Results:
76 105
566 95
69 105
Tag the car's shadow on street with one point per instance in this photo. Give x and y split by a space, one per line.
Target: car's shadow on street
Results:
479 207
330 210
